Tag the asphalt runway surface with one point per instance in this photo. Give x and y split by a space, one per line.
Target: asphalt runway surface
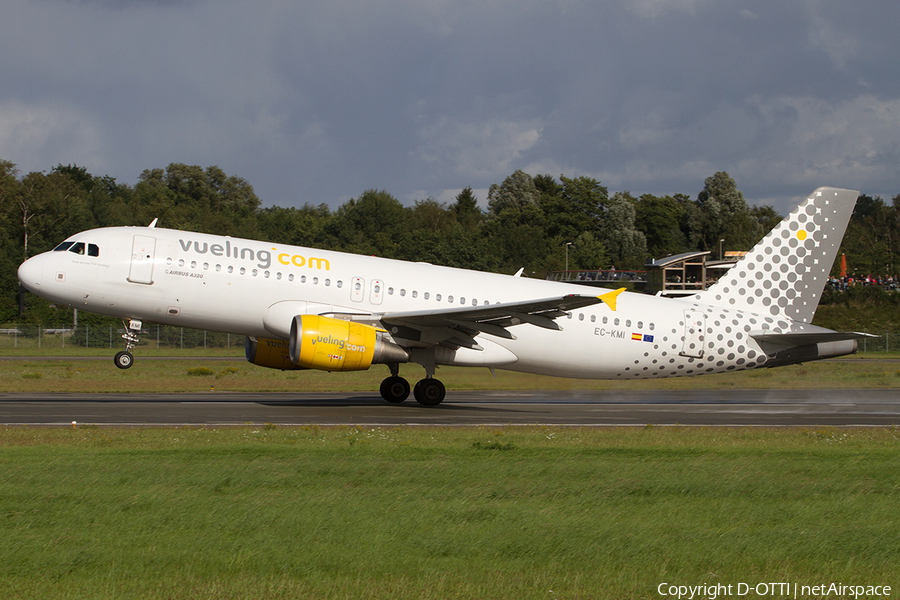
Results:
772 408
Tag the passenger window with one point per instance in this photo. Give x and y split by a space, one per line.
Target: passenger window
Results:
93 250
426 295
63 247
402 292
77 248
462 300
415 294
450 299
437 297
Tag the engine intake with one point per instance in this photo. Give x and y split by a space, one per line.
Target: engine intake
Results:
328 344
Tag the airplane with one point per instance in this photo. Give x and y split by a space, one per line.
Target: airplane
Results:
305 308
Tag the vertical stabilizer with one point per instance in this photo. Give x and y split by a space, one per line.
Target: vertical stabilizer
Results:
785 273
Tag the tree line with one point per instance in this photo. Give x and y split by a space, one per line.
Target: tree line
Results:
532 222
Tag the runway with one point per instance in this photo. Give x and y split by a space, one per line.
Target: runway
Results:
844 407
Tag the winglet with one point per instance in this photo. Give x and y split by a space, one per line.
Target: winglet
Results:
153 224
609 298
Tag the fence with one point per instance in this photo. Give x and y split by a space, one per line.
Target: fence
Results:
154 336
164 336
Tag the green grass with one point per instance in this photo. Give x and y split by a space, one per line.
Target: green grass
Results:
273 512
194 375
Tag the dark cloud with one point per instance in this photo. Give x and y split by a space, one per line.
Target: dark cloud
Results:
318 101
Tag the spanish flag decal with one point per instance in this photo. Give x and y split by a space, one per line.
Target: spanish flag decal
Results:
637 336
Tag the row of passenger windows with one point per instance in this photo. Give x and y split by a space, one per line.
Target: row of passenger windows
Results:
266 274
616 321
79 248
358 286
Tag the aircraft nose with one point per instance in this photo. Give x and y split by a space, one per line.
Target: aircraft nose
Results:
31 272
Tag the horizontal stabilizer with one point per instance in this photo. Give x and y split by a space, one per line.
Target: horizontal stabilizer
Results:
804 339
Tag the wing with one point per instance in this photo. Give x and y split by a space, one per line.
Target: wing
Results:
458 326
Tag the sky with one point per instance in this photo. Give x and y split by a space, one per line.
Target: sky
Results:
318 101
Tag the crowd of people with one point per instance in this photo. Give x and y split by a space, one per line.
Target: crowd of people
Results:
887 282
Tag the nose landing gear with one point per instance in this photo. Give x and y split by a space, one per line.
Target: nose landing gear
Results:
125 359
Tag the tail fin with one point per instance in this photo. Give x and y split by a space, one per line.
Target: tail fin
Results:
785 273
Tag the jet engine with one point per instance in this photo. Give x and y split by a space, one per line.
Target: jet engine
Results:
328 344
273 354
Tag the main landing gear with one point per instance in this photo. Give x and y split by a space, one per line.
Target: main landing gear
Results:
125 358
428 391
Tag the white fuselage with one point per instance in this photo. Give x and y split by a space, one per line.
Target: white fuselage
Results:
255 288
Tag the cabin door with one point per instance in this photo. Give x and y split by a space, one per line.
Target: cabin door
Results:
142 254
694 326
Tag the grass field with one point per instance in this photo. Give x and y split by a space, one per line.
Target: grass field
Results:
194 374
422 513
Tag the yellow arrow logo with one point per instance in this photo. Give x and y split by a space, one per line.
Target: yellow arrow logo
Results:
610 298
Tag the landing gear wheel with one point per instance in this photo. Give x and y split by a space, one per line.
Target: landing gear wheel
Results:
123 360
429 392
395 389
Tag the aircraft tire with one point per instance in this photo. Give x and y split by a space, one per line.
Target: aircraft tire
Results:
429 392
395 389
124 360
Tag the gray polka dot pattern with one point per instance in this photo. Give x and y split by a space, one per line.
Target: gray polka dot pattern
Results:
784 274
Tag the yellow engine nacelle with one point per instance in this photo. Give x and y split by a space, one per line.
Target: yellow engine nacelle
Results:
328 344
274 354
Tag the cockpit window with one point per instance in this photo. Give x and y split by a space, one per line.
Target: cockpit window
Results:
78 248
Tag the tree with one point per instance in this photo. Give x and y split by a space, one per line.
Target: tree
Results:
517 192
625 245
375 223
296 226
577 206
871 240
466 210
587 253
659 218
725 214
766 219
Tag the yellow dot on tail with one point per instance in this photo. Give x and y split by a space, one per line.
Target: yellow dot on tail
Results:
801 235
